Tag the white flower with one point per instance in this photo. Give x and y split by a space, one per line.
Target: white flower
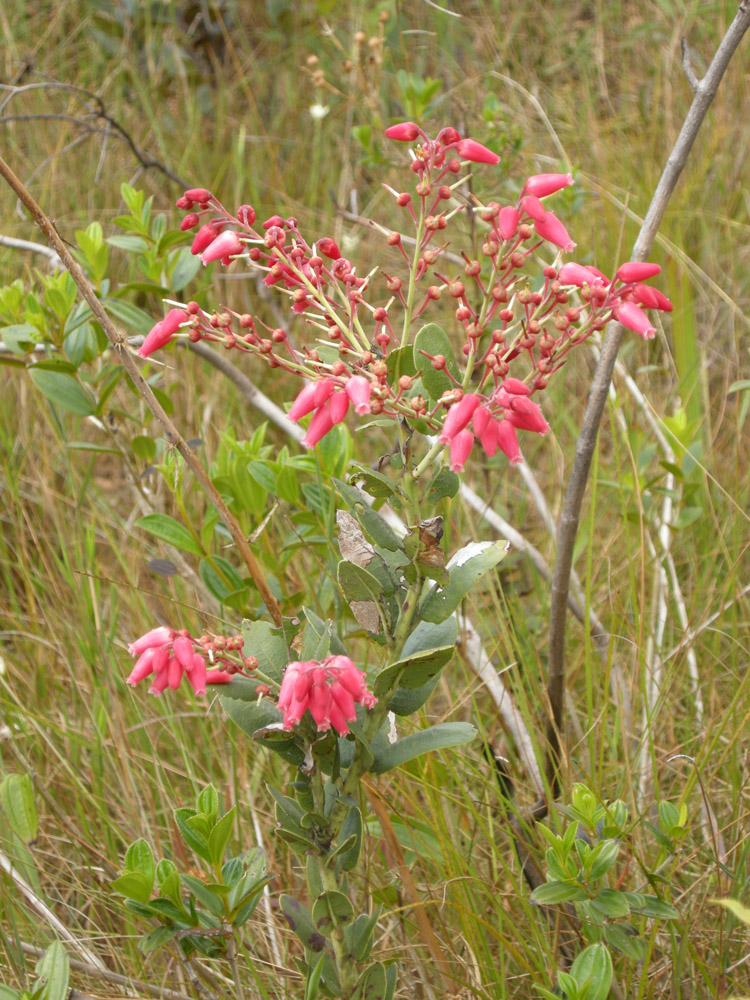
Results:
319 111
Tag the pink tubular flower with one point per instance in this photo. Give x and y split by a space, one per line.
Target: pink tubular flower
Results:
634 318
459 416
161 334
167 656
637 271
321 423
205 237
460 449
507 441
533 207
551 229
228 244
578 275
358 390
470 149
541 185
524 414
652 298
310 398
507 222
516 387
151 640
328 689
404 132
339 403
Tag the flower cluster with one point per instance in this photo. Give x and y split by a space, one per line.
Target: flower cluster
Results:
506 314
329 689
168 655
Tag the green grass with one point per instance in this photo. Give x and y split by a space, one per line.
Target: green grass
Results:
109 764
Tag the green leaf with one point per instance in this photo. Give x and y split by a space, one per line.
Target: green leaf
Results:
351 827
131 315
415 670
604 856
140 858
312 984
134 885
433 340
81 344
372 983
376 529
446 734
164 870
206 896
185 269
191 836
20 337
444 484
357 583
359 935
17 802
8 993
624 937
254 717
169 531
611 903
156 939
63 390
660 909
53 970
466 568
557 892
301 922
220 577
219 837
593 969
330 909
144 448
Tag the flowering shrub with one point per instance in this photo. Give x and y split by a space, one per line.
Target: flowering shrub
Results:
292 686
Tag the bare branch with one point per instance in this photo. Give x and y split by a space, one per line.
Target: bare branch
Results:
687 65
704 95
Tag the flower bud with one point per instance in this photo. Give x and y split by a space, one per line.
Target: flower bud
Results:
404 132
637 271
475 152
541 185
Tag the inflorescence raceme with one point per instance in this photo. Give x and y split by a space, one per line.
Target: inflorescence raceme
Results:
510 318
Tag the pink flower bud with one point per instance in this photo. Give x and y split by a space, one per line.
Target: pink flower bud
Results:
320 425
460 449
246 215
275 220
184 202
507 441
144 667
448 136
228 244
634 318
201 195
516 387
323 390
533 207
404 132
358 389
189 222
470 149
507 221
459 416
637 271
551 229
488 437
310 398
540 185
205 237
328 248
481 419
339 404
652 298
174 672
